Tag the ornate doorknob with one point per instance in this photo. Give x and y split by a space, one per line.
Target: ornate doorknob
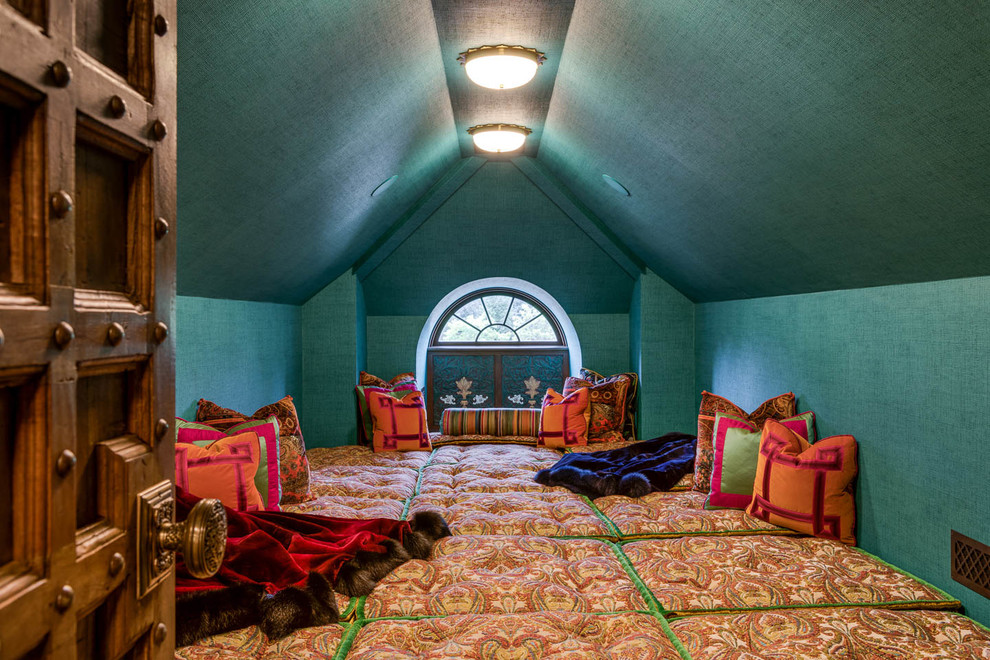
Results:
201 537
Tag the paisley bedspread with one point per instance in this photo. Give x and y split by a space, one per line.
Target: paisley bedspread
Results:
539 572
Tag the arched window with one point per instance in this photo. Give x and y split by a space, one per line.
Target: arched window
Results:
496 346
498 316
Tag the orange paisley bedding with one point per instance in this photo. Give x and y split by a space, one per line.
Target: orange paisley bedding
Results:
539 572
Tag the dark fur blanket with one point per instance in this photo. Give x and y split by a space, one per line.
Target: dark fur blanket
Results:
632 471
280 570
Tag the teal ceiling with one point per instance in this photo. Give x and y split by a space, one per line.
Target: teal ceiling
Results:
776 147
290 114
770 147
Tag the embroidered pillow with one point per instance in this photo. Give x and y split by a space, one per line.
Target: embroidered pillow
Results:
364 378
293 466
807 488
564 419
607 405
266 479
400 423
223 469
497 422
737 447
632 398
779 407
366 425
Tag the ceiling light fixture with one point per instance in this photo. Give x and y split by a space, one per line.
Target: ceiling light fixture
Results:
616 186
499 138
501 67
384 185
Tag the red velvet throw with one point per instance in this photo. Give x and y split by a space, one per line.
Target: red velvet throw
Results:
278 550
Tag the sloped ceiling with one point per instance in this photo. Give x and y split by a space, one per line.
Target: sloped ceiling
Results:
781 147
290 114
770 147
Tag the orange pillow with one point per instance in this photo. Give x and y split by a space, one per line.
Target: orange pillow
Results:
807 488
400 424
564 419
223 470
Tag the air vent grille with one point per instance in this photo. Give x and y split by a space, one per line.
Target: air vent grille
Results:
971 563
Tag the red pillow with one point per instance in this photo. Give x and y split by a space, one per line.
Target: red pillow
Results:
223 470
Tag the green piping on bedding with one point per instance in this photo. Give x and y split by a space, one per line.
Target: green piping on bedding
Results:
651 601
345 642
672 637
903 572
605 519
419 481
625 538
908 605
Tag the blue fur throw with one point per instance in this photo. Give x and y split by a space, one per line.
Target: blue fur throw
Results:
632 471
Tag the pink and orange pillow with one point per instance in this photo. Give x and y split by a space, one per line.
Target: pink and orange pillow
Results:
779 407
804 487
293 465
224 469
266 479
399 423
564 419
737 447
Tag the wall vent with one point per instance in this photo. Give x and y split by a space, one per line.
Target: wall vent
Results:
971 563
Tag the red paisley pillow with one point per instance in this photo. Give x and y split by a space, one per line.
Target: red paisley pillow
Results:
607 404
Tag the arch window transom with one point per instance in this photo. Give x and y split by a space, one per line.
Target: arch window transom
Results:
498 317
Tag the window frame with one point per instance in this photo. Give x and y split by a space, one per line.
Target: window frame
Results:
435 343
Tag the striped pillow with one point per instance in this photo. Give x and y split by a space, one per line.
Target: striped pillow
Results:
498 422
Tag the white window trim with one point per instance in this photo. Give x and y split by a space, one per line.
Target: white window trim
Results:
548 301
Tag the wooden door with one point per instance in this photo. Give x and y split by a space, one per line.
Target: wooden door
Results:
87 283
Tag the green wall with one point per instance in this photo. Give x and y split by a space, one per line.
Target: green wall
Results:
498 224
661 344
241 355
905 369
330 362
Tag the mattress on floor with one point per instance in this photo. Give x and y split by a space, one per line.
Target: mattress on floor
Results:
817 634
537 572
558 513
507 575
677 513
559 635
706 573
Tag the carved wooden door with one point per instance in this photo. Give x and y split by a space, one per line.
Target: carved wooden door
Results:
87 282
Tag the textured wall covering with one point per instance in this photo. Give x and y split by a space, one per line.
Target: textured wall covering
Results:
292 113
604 341
666 360
905 370
828 145
498 225
242 355
392 344
329 363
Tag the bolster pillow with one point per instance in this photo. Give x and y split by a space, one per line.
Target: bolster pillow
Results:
499 422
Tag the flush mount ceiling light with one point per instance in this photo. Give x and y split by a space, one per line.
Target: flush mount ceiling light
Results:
501 67
499 138
616 186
